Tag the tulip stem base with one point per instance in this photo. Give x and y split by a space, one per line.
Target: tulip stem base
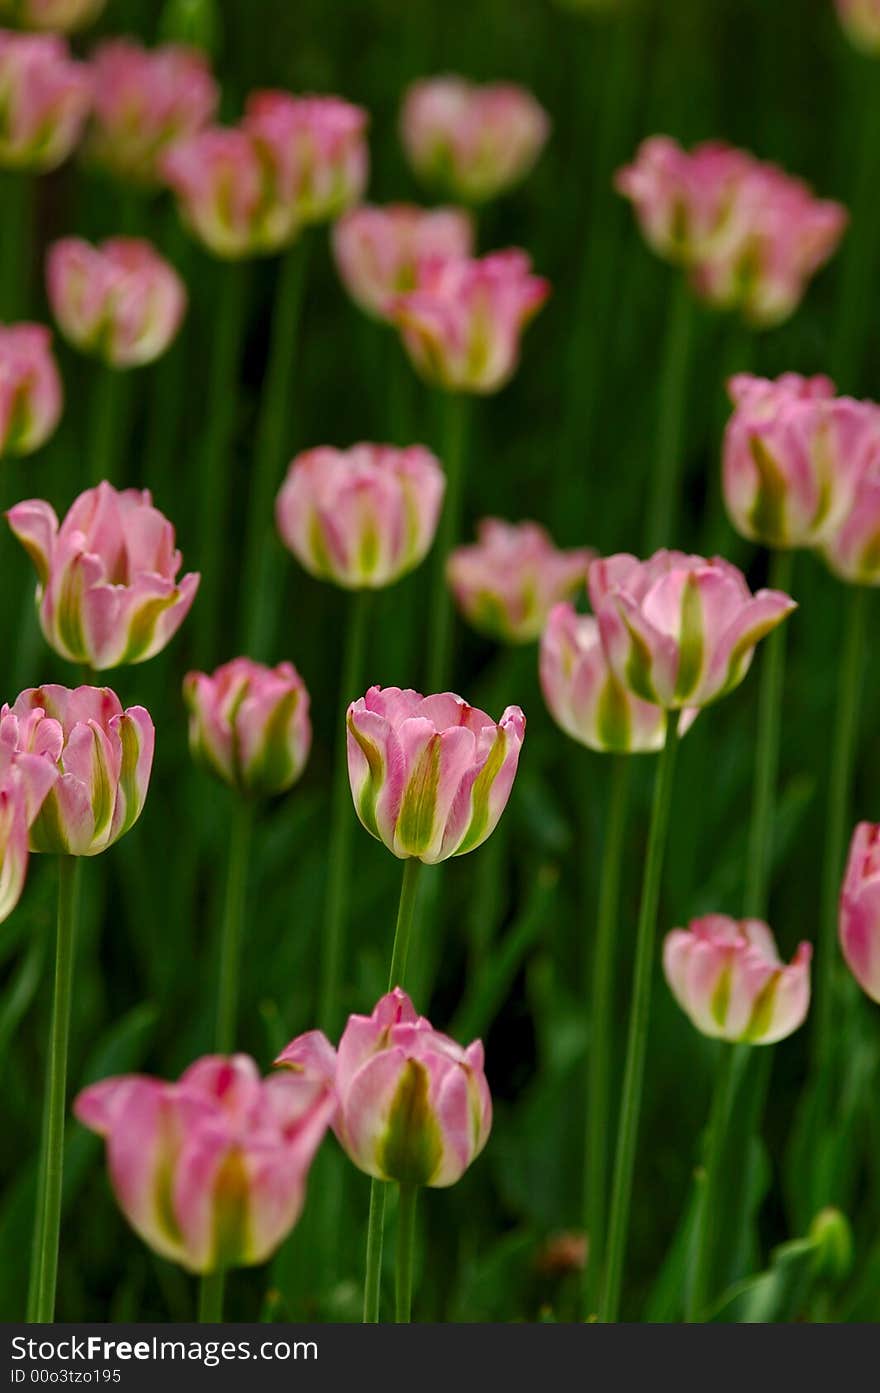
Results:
405 915
375 1234
52 1163
663 499
406 1232
109 396
640 1011
701 1290
211 1298
234 902
600 1044
455 418
16 199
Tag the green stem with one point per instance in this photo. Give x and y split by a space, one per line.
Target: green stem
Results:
406 1228
259 594
640 1009
666 476
760 845
600 1043
233 920
211 1298
109 395
707 1221
33 1292
17 213
215 461
843 749
52 1165
440 625
375 1231
342 821
405 915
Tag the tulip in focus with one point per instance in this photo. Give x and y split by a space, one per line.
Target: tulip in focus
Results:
121 300
378 250
727 977
30 388
145 101
25 781
107 591
861 20
103 755
680 630
64 16
430 776
472 142
462 322
859 920
362 517
44 101
792 455
412 1105
584 696
249 725
314 149
210 1171
852 550
507 583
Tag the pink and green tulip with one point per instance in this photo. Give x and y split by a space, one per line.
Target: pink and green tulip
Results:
44 101
224 195
861 20
378 249
852 550
859 921
30 388
25 782
314 149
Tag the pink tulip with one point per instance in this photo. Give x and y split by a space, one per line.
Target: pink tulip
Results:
225 194
852 549
727 977
859 920
679 630
61 15
586 699
249 724
430 776
25 781
209 1171
44 100
103 756
861 20
145 101
315 148
509 581
461 324
472 142
792 455
121 301
378 250
30 388
411 1105
361 517
106 591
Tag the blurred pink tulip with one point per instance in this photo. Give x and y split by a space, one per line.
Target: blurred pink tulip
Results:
146 100
44 100
225 195
30 388
472 142
859 921
361 517
107 589
792 455
680 630
586 699
852 549
861 20
103 756
688 204
209 1171
25 781
62 15
249 724
727 977
507 583
412 1106
121 300
315 149
430 776
462 322
378 250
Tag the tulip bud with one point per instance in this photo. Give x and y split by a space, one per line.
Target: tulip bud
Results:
30 388
679 630
145 101
852 549
586 699
832 1235
225 194
209 1171
412 1105
362 517
859 920
509 581
63 16
378 250
472 142
25 781
792 453
103 756
727 977
861 20
315 148
106 592
249 725
44 101
462 322
430 776
121 301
